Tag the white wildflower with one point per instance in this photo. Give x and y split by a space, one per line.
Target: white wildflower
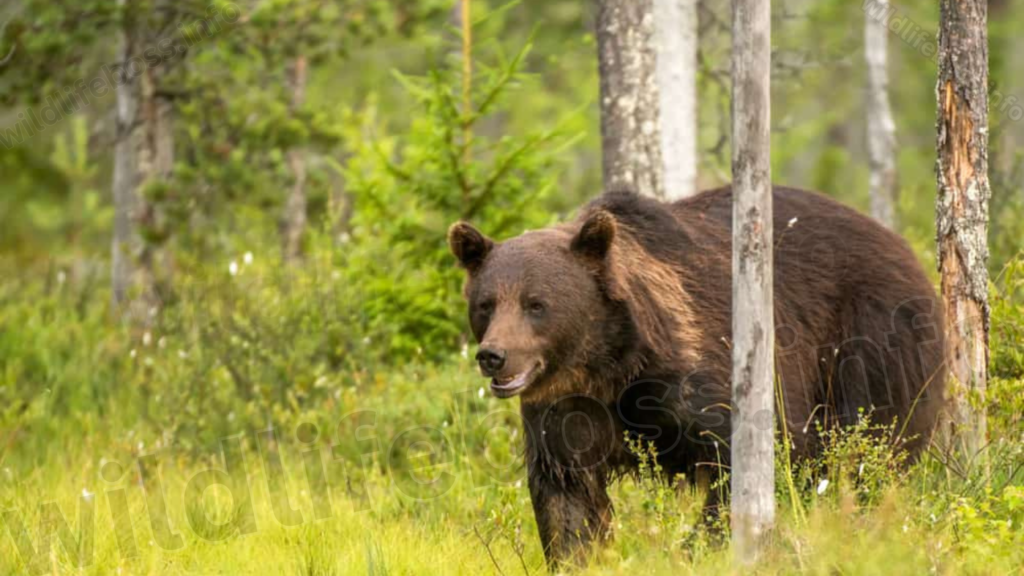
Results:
233 268
61 277
87 495
822 486
132 353
480 392
147 339
247 258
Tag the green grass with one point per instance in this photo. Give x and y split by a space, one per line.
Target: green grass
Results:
432 484
424 469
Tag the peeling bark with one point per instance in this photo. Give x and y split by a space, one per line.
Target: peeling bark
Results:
962 211
753 324
294 222
881 126
676 56
630 136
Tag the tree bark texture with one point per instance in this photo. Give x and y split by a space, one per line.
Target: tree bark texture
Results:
753 326
630 138
143 154
881 126
676 61
125 241
961 218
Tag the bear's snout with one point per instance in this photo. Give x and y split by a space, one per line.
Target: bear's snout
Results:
491 360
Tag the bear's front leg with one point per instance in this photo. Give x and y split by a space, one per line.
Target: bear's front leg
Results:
573 512
570 448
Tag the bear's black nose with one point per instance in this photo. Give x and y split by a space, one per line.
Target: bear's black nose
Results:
490 360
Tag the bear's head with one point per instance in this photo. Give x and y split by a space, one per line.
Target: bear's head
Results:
537 304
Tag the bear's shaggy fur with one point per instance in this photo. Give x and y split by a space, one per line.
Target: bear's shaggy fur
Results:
620 322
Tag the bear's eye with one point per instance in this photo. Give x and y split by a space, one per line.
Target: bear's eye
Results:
486 307
535 307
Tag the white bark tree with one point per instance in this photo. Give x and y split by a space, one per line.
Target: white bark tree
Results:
125 242
753 325
630 138
647 51
675 23
881 126
962 211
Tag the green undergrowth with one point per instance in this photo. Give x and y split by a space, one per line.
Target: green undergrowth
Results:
251 430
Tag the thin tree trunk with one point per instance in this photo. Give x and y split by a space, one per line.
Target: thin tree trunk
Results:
753 325
676 56
881 126
962 210
125 243
295 208
630 138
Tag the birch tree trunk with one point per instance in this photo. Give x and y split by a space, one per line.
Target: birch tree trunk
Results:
962 210
881 126
294 222
630 138
676 61
753 325
125 241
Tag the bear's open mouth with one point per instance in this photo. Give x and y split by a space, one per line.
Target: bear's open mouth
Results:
509 386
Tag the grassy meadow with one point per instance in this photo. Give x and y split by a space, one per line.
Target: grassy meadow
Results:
171 468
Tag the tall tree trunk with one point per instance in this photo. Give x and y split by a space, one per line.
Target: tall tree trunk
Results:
753 325
962 210
144 151
630 138
881 126
676 60
124 246
131 263
294 223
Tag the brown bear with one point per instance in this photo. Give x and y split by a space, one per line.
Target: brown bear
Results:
620 322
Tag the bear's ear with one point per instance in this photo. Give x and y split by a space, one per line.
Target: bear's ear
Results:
595 236
468 245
